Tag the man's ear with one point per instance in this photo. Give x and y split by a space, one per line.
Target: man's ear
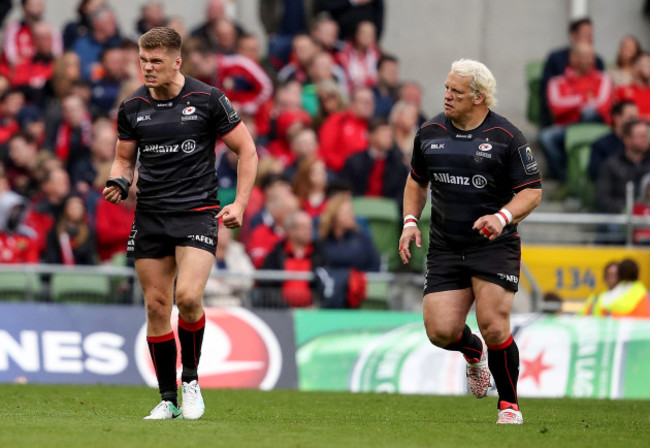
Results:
479 97
178 63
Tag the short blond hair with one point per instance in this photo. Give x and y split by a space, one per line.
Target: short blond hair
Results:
482 79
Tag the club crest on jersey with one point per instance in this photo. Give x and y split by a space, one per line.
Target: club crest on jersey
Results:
189 110
528 160
485 147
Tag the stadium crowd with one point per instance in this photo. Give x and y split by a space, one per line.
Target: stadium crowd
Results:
332 117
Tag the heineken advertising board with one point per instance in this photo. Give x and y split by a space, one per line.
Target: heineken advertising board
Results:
389 352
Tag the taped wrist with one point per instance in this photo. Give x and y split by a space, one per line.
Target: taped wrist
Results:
120 182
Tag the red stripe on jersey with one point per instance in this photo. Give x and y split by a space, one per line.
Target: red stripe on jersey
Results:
208 207
416 175
527 183
501 129
204 93
136 97
232 129
431 124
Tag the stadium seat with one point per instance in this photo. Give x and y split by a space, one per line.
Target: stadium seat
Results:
577 141
226 196
384 221
534 70
377 296
20 286
74 287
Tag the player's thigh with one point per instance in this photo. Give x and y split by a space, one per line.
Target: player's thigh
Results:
156 277
493 306
444 314
194 266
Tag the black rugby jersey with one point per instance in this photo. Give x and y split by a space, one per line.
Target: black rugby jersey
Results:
472 173
175 140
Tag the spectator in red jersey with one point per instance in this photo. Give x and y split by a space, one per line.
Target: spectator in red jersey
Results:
71 137
22 166
11 102
279 203
582 94
16 246
622 73
288 124
46 206
330 101
32 73
310 185
113 225
242 80
18 46
295 253
639 89
379 171
71 241
303 51
346 133
360 56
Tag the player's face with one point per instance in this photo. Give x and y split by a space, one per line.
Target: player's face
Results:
158 66
459 98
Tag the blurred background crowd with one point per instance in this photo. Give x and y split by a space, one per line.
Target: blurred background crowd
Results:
333 118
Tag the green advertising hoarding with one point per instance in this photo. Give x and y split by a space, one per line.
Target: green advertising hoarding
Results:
389 352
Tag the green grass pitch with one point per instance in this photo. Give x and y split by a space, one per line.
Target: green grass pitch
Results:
39 416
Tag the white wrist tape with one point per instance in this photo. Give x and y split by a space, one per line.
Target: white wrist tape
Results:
410 221
504 216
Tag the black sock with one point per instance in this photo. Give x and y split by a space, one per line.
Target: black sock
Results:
191 336
468 344
503 360
164 357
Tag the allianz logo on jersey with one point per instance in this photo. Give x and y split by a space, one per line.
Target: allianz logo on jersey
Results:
187 146
476 180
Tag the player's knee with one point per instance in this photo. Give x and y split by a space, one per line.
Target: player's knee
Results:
157 308
494 333
442 337
187 300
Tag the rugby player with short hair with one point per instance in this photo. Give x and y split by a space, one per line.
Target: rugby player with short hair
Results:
483 179
170 126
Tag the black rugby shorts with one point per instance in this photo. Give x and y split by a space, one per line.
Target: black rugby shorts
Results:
497 263
156 235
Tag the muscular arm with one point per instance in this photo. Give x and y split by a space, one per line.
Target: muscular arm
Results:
241 143
520 206
123 165
415 198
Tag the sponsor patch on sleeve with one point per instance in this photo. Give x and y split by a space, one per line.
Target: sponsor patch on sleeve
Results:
231 113
528 159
